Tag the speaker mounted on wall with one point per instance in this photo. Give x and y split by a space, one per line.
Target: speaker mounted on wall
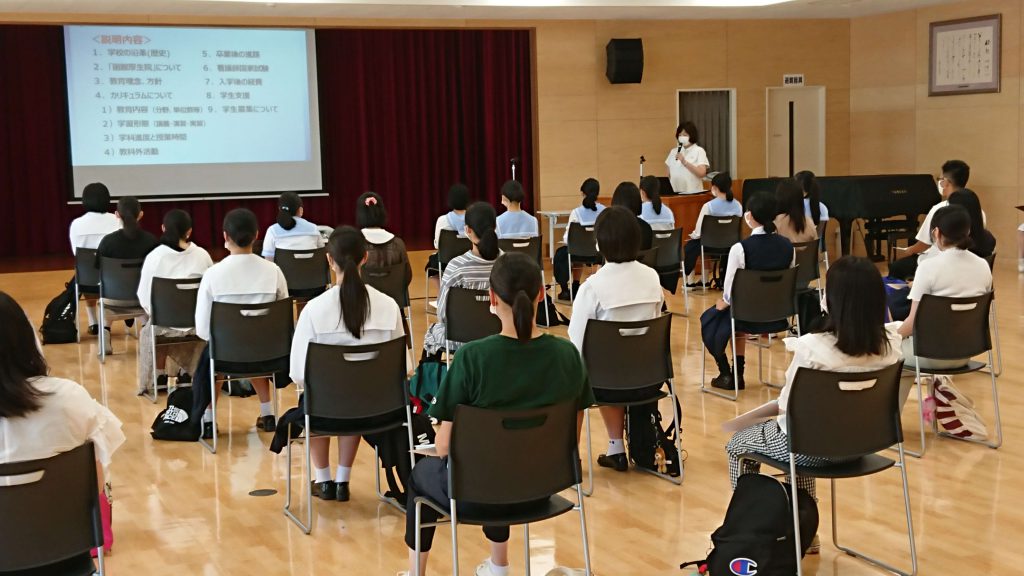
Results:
625 60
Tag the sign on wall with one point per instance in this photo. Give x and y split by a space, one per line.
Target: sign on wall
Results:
963 56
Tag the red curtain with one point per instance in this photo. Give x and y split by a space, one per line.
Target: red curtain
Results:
404 113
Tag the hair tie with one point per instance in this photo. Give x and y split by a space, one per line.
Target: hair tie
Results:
370 201
285 209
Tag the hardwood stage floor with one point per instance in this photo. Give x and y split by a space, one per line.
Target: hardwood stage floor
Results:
180 510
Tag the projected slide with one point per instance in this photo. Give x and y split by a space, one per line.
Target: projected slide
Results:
192 111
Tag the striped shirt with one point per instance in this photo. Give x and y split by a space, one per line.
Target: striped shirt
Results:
466 271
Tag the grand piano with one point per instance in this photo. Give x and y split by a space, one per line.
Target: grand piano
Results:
867 197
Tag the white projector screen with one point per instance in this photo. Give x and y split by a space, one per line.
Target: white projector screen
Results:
164 112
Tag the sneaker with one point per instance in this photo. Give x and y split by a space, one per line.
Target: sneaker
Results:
266 423
725 382
484 569
815 547
616 462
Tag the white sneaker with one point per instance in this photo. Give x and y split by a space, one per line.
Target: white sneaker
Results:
484 569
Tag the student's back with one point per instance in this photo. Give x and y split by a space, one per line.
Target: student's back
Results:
89 229
517 224
166 262
291 231
238 279
130 242
767 252
723 207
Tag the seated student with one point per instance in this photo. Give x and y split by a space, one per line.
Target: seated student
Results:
722 203
383 249
855 339
813 206
627 195
659 216
349 314
291 231
88 229
471 270
130 242
240 278
792 221
175 257
764 249
955 175
983 243
585 214
42 416
515 222
455 219
622 290
519 369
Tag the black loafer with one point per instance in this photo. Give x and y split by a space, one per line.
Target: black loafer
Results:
564 296
724 382
266 423
325 490
341 493
129 322
184 378
207 430
617 462
94 329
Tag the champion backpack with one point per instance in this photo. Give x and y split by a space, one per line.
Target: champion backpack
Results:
757 535
650 445
59 325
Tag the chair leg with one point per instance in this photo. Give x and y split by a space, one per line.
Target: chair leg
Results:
590 455
308 526
583 529
920 414
78 315
211 446
526 549
417 514
995 338
103 333
703 276
152 340
455 538
572 297
678 444
796 514
99 560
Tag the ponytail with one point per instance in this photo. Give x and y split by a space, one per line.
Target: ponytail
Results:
288 206
348 249
481 219
129 209
177 224
514 277
523 315
813 192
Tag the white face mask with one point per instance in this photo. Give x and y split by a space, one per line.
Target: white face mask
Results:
493 309
942 190
684 140
747 219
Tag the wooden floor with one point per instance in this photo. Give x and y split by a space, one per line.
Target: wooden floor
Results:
180 510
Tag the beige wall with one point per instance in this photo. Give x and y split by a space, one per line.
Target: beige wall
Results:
896 127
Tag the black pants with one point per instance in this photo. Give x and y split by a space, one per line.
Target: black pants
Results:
430 480
201 398
561 265
904 268
691 252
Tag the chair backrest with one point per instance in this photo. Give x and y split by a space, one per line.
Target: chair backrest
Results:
304 269
87 274
991 259
628 355
952 328
51 509
532 247
450 245
720 232
468 315
670 247
173 302
648 257
513 456
348 382
582 242
763 295
807 270
390 281
251 332
844 414
119 278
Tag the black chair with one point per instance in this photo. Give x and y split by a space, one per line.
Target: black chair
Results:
391 281
806 255
624 356
248 333
352 385
468 317
648 257
172 305
717 236
450 245
505 458
846 416
951 329
758 296
582 246
119 280
670 257
534 248
87 280
51 514
306 271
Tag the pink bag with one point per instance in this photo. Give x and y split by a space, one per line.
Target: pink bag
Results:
106 513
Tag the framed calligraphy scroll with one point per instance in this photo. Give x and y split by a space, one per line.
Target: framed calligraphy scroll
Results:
964 56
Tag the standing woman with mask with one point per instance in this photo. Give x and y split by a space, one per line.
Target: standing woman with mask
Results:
687 162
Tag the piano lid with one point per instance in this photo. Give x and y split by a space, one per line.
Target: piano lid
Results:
878 196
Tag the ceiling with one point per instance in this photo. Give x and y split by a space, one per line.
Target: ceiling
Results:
477 9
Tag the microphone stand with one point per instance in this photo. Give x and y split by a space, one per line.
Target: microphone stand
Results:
642 160
514 162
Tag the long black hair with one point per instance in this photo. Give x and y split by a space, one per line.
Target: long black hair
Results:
287 209
370 212
790 198
723 182
954 223
129 209
590 188
516 280
651 187
856 307
177 224
481 219
347 247
812 191
20 360
762 209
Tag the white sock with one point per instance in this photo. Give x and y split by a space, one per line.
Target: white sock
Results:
90 311
266 409
208 416
343 474
497 570
322 474
616 447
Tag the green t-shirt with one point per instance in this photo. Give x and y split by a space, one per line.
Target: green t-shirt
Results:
503 373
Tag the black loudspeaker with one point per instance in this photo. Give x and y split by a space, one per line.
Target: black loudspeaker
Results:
625 60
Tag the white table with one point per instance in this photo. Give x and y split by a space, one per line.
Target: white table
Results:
553 217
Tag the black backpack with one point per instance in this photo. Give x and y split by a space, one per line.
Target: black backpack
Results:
393 447
59 325
174 422
650 445
557 318
757 535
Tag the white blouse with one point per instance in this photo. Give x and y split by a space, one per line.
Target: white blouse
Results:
238 279
88 229
683 181
623 291
68 418
166 262
303 236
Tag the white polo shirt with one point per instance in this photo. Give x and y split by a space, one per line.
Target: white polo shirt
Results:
619 291
683 181
238 279
953 273
88 229
166 262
